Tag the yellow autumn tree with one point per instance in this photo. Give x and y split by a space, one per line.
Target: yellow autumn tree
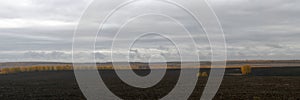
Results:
246 69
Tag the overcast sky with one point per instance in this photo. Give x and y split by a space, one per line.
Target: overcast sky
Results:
42 30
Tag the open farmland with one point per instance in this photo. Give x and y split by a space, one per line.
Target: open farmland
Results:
263 84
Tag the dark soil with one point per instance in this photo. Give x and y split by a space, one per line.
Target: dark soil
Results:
62 85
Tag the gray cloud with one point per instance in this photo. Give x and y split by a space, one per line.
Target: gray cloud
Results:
254 29
57 56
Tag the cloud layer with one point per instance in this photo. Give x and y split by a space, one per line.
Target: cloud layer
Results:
33 30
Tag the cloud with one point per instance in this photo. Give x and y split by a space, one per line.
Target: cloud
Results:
57 56
43 30
276 46
100 56
54 55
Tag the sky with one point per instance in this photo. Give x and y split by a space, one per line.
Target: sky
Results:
42 30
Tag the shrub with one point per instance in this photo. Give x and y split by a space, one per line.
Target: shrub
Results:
246 69
202 74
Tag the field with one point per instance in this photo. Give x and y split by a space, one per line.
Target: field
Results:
262 84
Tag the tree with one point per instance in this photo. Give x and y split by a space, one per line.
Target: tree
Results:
246 69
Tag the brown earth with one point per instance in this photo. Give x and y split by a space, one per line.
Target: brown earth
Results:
62 85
